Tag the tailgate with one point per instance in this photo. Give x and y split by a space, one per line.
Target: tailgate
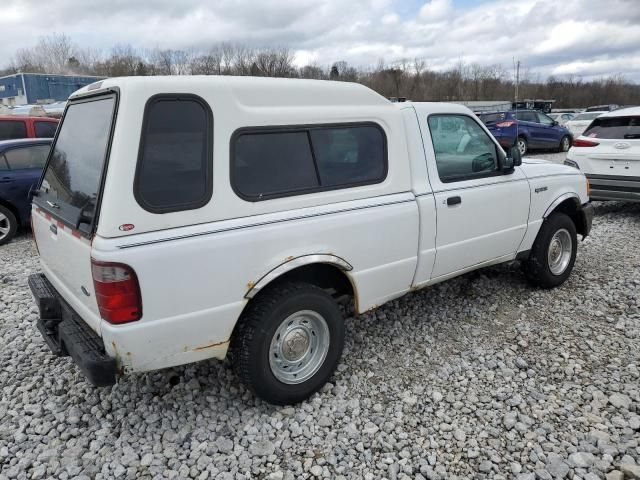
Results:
65 257
66 205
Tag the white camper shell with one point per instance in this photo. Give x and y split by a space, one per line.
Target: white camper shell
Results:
181 217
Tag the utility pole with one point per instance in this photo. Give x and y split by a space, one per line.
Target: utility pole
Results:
516 67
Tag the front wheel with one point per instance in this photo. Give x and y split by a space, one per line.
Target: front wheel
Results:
554 252
522 145
289 342
565 144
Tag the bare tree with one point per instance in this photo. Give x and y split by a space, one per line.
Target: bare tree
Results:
413 79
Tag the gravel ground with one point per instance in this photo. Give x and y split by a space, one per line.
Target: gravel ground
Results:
478 377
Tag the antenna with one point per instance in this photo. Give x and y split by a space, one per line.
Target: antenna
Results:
516 68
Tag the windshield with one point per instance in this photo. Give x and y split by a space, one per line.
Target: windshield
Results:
614 128
587 116
72 178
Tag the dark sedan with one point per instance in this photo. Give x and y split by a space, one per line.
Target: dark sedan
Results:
21 163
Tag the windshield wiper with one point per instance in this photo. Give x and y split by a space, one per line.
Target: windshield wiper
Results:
631 135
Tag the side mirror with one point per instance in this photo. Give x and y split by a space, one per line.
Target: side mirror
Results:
555 122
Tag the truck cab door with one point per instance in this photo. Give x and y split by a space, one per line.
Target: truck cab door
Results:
481 211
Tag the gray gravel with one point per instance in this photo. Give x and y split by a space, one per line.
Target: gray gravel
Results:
479 377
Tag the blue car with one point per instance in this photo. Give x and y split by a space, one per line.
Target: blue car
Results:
21 164
528 130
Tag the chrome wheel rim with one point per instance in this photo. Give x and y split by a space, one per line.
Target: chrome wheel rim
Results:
565 144
559 253
522 146
5 226
299 347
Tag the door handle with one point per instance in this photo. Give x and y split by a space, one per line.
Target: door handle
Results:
6 180
454 200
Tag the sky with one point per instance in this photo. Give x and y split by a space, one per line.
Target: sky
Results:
586 38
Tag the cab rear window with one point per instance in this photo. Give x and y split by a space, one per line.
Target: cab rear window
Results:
73 174
614 128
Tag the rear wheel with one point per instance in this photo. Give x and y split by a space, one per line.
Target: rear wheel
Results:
289 342
522 145
8 225
554 252
565 144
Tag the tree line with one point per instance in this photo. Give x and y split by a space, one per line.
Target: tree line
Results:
413 79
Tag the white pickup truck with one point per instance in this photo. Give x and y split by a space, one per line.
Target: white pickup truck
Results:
182 218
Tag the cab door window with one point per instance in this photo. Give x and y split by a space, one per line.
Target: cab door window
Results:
463 149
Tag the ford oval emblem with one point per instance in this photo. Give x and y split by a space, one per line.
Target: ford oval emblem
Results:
125 227
622 145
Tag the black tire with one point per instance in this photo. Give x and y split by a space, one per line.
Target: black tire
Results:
522 145
565 144
8 225
537 267
251 343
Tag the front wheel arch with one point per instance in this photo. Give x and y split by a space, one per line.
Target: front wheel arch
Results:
570 205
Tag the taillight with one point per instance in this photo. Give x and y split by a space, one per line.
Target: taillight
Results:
117 292
578 142
506 124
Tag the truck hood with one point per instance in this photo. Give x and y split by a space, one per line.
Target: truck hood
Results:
535 167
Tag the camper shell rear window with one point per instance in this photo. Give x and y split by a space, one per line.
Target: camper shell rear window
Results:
72 179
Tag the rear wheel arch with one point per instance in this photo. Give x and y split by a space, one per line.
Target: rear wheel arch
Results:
325 271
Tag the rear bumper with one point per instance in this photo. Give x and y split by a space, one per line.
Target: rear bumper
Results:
67 334
614 187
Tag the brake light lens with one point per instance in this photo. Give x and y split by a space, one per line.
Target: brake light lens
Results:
506 124
578 142
117 292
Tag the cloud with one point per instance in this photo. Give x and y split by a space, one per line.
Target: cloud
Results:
435 10
578 37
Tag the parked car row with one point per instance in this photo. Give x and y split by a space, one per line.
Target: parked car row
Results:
527 130
580 122
562 117
24 146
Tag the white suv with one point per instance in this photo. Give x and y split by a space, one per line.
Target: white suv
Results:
179 218
608 153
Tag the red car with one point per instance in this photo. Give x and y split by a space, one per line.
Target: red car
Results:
13 127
